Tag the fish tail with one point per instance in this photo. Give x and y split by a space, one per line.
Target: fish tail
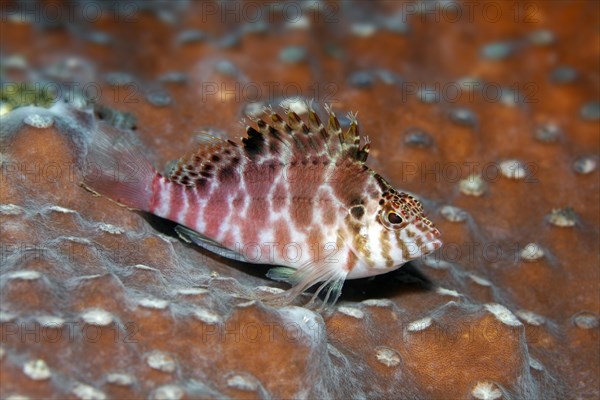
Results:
117 168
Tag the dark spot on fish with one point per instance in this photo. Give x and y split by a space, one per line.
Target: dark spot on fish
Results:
235 161
357 212
208 167
254 145
206 174
251 131
202 182
226 172
215 158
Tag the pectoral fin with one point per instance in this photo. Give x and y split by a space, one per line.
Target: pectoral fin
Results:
282 274
329 276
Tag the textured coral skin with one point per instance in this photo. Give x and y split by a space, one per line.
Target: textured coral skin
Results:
126 296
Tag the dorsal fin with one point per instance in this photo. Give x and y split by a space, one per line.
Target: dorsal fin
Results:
306 139
273 138
199 167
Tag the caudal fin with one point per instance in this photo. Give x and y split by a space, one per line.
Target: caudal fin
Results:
117 168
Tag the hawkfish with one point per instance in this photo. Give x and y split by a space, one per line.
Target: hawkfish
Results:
293 194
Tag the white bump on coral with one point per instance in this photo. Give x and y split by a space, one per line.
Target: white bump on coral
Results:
144 267
10 209
37 370
300 23
472 186
447 292
168 392
119 379
192 291
62 210
94 276
157 304
513 169
86 392
97 316
420 324
26 275
76 239
269 289
206 316
351 312
50 321
378 302
241 382
453 214
388 357
530 317
532 252
584 165
39 121
6 316
17 397
535 364
503 314
363 30
300 319
486 391
480 281
115 230
246 304
586 320
436 263
562 217
161 361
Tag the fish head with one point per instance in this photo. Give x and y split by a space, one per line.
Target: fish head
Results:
388 230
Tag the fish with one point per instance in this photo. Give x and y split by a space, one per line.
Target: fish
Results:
294 194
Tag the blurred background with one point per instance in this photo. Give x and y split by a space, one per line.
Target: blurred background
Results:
488 110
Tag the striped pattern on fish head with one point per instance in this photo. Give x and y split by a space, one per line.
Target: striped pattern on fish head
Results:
387 229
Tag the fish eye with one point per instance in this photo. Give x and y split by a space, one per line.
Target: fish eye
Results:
394 218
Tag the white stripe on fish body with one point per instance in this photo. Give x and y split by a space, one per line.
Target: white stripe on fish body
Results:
164 193
226 222
201 202
185 204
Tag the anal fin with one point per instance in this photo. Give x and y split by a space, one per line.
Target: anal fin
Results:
191 236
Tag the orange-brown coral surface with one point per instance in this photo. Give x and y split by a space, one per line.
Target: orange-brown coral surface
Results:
487 110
